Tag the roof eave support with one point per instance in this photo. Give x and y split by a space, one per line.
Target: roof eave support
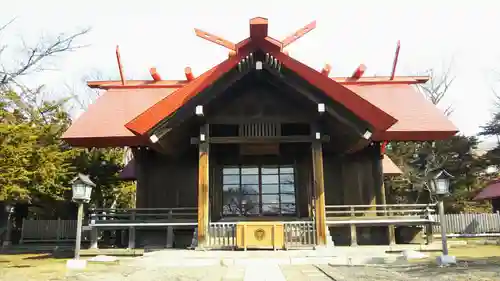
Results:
314 99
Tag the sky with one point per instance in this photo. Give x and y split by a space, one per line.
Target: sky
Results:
458 35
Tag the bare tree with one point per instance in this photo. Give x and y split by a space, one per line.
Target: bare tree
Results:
418 160
32 58
437 87
34 55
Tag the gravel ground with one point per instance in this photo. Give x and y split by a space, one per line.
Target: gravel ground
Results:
421 272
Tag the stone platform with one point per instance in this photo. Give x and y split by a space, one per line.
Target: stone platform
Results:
361 255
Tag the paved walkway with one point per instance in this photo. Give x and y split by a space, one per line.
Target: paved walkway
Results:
274 272
280 266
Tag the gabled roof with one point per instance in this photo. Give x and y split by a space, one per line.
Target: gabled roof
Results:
376 117
103 124
417 118
125 114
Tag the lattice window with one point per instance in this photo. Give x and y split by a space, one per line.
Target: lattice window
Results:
260 130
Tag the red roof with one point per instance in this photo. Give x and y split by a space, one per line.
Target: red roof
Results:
418 118
491 191
103 124
125 113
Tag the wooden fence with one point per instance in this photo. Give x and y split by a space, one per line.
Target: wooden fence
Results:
478 223
48 231
65 230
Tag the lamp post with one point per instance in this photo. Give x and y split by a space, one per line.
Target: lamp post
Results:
82 189
440 186
9 209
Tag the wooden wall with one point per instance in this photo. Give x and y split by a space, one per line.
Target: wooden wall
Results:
353 179
164 181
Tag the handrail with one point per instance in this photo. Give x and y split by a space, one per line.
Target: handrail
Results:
379 211
386 210
382 206
143 209
142 216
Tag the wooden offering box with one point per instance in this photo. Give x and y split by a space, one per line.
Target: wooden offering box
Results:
260 235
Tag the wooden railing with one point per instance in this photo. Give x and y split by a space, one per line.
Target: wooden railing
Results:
142 217
49 231
299 234
222 235
132 219
380 214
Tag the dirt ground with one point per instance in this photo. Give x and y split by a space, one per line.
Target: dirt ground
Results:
480 263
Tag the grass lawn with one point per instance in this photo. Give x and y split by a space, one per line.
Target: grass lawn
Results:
37 267
472 252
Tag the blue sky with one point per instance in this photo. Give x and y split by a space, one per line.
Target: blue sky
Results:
433 34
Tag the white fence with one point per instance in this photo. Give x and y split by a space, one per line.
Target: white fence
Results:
478 223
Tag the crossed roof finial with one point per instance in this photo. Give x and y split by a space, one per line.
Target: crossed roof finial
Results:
258 29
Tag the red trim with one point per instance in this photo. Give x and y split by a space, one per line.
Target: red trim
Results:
101 142
120 67
258 28
156 113
360 70
214 39
413 136
375 116
299 33
395 62
326 69
379 119
142 84
189 73
156 76
383 147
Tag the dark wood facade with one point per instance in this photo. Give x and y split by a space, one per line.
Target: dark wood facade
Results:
167 182
259 124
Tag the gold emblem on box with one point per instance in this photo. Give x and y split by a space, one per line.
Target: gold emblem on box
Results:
259 234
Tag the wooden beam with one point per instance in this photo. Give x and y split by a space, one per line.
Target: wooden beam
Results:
311 97
378 80
120 67
188 109
136 84
203 188
326 69
359 145
215 39
236 120
258 27
298 34
382 80
156 76
189 73
360 70
395 62
283 139
319 189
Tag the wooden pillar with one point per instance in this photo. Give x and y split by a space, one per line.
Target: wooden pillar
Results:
319 191
131 232
392 235
170 231
354 235
382 196
93 238
203 187
93 232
